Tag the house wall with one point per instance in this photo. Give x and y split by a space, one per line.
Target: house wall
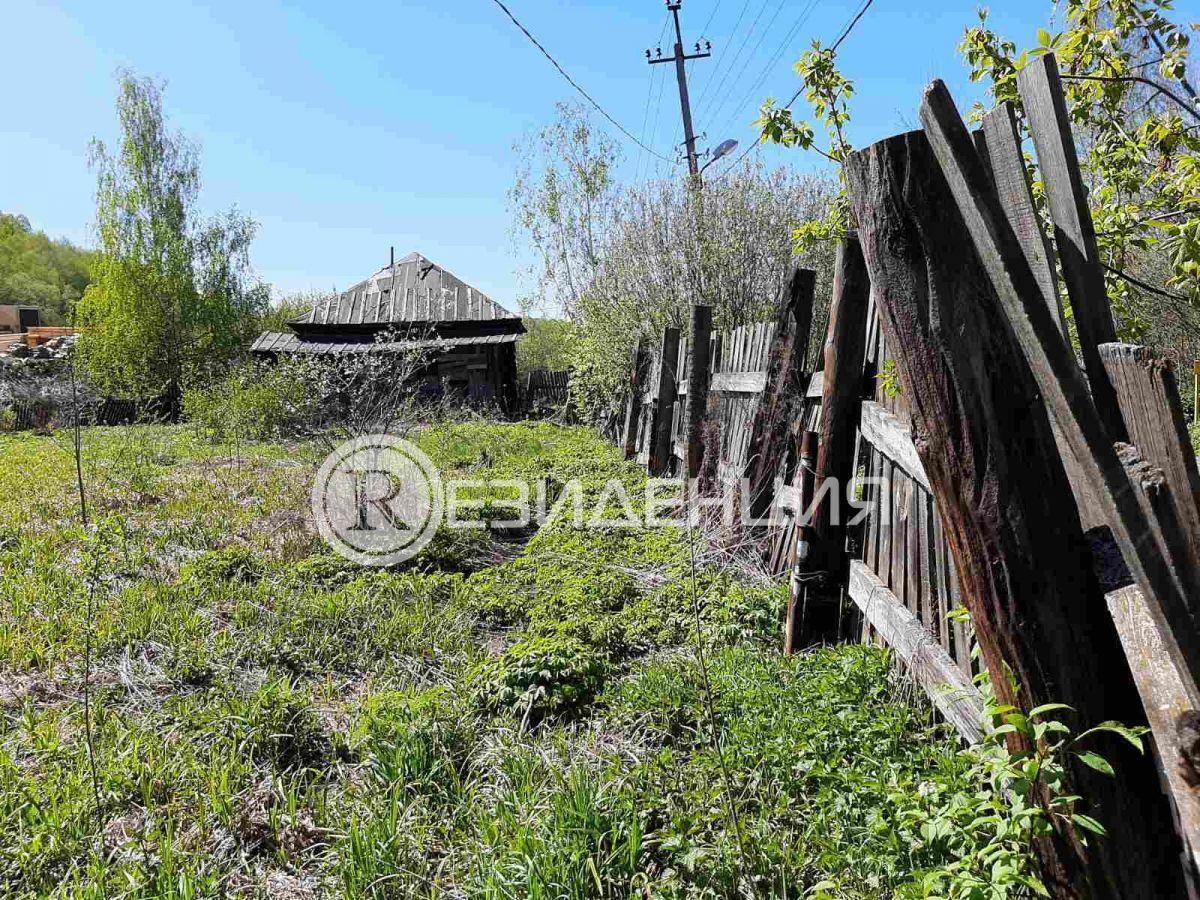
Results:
11 316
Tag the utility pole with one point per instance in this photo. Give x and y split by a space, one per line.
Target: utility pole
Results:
680 59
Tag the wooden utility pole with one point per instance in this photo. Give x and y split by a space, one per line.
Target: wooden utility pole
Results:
685 106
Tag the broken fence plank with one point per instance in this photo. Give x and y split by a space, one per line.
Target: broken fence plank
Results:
1150 405
1163 695
889 436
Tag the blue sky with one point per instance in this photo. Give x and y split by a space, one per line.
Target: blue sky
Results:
345 128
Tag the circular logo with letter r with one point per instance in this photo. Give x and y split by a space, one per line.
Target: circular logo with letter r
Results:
377 500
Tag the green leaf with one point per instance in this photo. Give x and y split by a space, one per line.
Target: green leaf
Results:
1097 762
1048 707
1088 822
1133 735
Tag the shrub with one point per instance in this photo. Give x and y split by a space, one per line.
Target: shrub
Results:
540 677
255 402
226 564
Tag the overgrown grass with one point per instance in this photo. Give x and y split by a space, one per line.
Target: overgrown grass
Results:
522 721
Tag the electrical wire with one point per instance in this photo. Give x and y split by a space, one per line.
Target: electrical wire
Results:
573 82
717 68
657 123
643 159
719 103
741 47
804 16
711 16
845 34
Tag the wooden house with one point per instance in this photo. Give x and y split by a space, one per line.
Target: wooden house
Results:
414 304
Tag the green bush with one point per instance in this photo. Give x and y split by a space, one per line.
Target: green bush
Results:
226 564
255 402
540 678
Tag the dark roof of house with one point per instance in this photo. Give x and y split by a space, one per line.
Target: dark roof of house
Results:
412 290
286 342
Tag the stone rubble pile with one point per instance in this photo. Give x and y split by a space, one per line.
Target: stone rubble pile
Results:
55 348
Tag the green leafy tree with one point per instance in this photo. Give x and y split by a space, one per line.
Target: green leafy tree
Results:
828 93
1136 116
549 345
38 271
173 298
562 202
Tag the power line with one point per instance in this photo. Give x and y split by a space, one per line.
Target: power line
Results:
643 159
711 16
849 28
717 68
656 124
804 16
741 47
845 34
573 82
719 104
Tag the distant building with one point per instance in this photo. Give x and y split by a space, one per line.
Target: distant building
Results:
19 319
414 304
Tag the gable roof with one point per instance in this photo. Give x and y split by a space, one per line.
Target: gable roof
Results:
413 290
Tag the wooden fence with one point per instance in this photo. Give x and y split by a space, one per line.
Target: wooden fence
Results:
544 390
950 399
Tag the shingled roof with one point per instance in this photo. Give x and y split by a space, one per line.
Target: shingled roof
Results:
414 289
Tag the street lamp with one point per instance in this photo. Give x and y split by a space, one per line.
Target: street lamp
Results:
723 149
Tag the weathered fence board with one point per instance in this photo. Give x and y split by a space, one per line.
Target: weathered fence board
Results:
1166 702
1153 414
664 402
948 687
697 389
841 396
641 362
1075 235
1065 394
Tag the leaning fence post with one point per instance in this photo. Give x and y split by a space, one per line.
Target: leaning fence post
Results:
784 388
665 392
797 558
698 381
633 411
841 395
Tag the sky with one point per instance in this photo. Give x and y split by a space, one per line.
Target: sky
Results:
344 129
